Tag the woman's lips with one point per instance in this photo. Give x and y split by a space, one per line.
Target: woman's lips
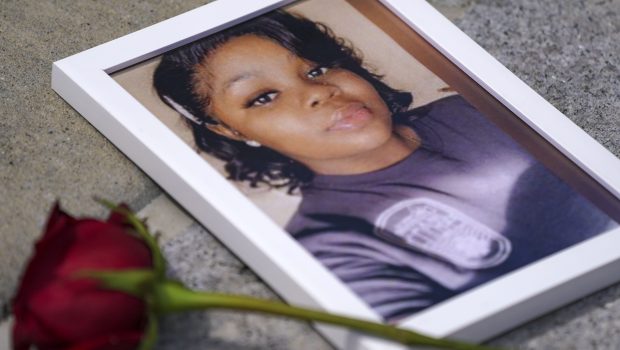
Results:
349 117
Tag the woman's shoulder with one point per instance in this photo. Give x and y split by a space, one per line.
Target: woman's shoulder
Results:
454 99
454 108
452 117
455 126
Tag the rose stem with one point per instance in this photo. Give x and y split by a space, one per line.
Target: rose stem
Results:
171 297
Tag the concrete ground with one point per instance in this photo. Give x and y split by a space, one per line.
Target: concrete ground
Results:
568 51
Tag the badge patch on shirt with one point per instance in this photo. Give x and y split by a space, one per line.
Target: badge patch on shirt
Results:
442 231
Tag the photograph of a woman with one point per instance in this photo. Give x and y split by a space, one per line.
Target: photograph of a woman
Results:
407 206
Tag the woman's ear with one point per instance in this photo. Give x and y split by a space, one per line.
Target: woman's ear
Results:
225 131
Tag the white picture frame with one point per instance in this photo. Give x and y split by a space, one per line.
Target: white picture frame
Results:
83 80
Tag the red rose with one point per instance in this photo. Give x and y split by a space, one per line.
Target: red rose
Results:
85 286
56 309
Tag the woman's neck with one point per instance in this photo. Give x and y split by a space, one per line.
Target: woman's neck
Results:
403 142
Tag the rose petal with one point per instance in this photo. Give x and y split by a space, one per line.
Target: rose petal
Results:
117 218
57 222
27 331
101 246
41 267
55 307
75 310
125 341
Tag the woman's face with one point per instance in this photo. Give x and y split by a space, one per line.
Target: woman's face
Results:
310 113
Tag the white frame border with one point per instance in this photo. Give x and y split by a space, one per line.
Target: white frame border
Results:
82 80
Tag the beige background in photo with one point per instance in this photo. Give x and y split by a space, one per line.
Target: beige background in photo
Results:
379 51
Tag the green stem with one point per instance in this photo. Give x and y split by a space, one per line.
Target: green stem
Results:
159 263
150 333
173 297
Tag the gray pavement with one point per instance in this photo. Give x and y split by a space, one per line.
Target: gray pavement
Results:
568 51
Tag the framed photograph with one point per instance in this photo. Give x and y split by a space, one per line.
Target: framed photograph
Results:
364 157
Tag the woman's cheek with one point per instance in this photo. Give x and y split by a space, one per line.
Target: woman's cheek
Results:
293 137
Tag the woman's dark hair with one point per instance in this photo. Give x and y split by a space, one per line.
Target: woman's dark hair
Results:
174 79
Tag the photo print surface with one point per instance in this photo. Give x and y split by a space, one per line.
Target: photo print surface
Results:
389 175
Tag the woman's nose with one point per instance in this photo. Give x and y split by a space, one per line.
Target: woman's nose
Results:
319 93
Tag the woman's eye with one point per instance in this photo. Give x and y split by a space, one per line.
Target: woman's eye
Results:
262 99
317 72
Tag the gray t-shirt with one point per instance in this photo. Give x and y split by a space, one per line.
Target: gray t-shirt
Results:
468 206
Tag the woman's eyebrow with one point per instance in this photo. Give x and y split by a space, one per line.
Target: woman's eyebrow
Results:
251 74
239 78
